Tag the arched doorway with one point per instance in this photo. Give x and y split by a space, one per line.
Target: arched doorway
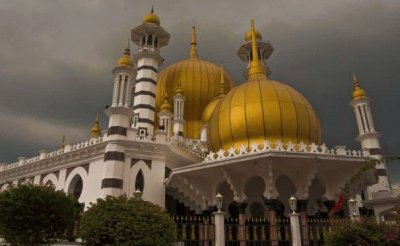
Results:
139 181
254 191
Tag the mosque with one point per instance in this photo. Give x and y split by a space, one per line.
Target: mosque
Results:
187 132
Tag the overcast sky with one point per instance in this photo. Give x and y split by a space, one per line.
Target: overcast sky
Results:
56 58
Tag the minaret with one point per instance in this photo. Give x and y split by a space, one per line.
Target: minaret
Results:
150 37
95 130
264 49
120 115
165 118
179 109
368 136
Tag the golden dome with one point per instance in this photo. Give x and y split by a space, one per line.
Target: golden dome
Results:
166 106
358 91
95 130
247 36
199 80
151 18
125 59
262 109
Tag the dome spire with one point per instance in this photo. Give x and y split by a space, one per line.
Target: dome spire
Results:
222 89
95 130
193 50
358 92
166 106
256 68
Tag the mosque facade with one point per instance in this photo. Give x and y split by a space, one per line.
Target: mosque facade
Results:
188 132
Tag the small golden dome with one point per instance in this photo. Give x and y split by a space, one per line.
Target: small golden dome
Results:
261 109
95 130
151 18
199 81
166 107
125 59
247 36
179 90
358 92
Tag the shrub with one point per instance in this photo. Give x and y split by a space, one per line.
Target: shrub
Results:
122 221
35 215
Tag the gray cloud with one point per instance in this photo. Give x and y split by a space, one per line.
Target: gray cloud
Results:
56 59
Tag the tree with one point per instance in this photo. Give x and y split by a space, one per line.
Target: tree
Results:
35 215
122 221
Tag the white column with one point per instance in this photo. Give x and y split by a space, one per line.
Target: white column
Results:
359 123
364 119
369 117
219 228
127 92
115 91
121 92
295 229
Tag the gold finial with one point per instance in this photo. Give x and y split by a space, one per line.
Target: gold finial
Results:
151 18
62 145
193 50
358 92
222 89
152 9
166 106
255 64
95 130
125 59
355 81
179 90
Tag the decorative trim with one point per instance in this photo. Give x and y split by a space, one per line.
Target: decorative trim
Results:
146 80
148 121
146 106
114 156
147 67
112 183
147 162
117 130
85 166
147 93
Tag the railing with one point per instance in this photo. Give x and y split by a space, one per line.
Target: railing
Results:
194 230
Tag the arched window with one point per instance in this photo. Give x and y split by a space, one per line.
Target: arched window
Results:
143 40
139 181
149 40
76 186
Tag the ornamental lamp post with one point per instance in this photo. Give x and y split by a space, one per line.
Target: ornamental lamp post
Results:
219 222
352 207
294 222
219 199
293 204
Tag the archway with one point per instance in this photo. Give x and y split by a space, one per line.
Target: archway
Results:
228 204
286 189
76 186
139 181
315 205
254 191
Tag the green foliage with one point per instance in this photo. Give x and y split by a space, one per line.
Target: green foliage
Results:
35 215
362 233
122 221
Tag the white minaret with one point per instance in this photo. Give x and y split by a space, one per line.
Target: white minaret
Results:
149 36
120 115
179 109
368 136
165 119
265 50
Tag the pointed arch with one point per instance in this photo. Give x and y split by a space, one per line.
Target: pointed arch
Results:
144 169
76 181
50 180
139 181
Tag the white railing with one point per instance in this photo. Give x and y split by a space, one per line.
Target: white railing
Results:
43 155
279 146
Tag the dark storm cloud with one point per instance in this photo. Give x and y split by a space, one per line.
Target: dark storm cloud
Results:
56 58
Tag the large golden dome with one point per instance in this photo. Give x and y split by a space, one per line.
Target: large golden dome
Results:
262 109
200 81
